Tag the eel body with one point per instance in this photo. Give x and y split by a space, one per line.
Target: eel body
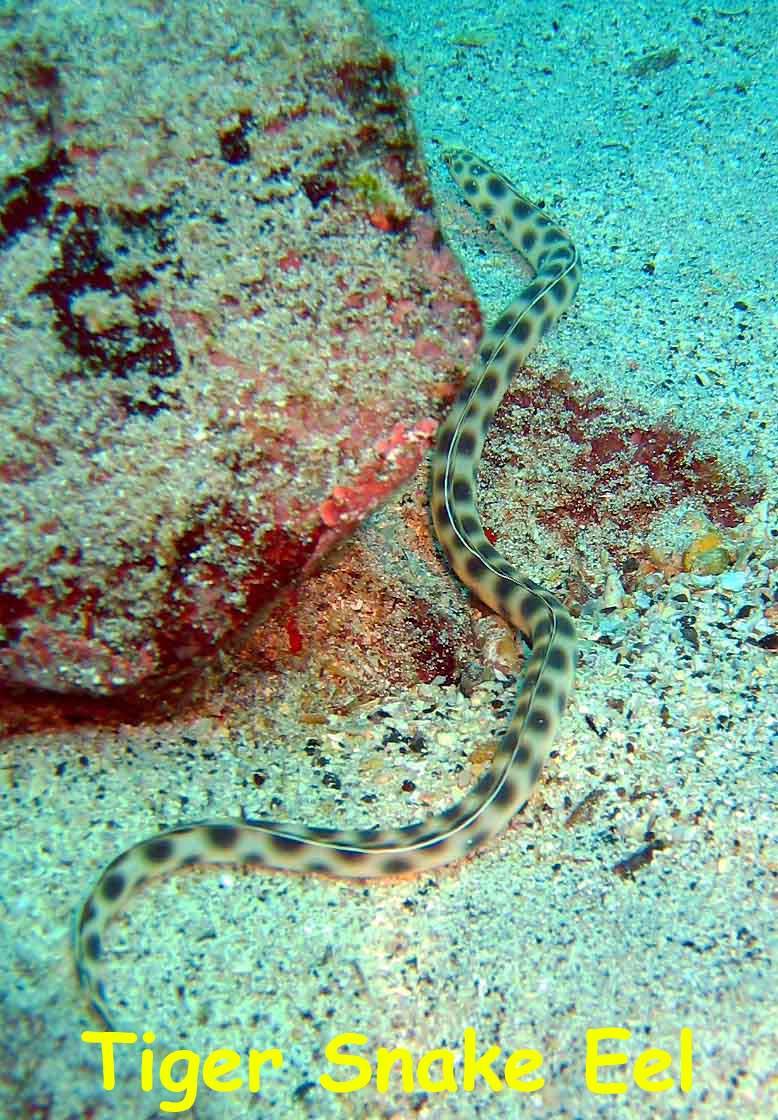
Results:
535 613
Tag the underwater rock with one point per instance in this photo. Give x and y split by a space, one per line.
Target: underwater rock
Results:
228 322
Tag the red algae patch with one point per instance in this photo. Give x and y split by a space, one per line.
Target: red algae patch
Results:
594 474
225 315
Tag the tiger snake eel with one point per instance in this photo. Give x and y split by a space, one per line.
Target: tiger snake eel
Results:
534 612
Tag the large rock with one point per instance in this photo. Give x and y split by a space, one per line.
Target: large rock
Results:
227 323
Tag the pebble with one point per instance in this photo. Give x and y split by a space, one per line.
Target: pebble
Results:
733 581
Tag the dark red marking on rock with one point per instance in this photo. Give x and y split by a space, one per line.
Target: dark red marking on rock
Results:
191 629
319 187
233 143
373 81
25 198
144 349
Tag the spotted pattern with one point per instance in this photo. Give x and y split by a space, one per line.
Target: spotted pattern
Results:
539 617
